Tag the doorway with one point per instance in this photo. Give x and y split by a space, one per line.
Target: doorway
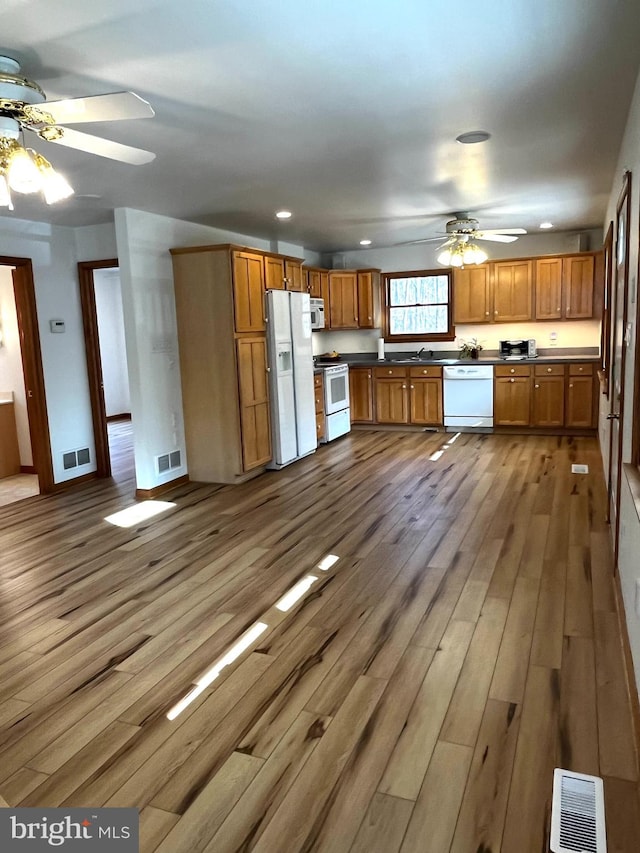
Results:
26 446
103 323
618 357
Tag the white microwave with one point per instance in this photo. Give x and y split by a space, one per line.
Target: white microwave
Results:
317 313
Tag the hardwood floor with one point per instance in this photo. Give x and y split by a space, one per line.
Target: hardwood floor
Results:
416 698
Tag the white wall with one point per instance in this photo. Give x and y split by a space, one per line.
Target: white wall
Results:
53 252
629 557
113 355
11 373
143 242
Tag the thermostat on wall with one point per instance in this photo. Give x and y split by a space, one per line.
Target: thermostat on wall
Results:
56 325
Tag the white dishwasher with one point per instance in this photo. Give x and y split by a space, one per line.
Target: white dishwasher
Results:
468 395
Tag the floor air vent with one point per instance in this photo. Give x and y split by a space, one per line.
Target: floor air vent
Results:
577 813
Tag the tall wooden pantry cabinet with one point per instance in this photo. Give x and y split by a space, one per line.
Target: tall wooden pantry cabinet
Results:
219 292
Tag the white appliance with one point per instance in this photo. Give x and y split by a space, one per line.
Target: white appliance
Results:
317 313
336 401
468 395
293 407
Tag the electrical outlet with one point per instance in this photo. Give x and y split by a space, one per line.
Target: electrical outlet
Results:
553 339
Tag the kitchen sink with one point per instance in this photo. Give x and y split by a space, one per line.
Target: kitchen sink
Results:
414 360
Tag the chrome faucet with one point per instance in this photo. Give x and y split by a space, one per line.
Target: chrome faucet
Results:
419 353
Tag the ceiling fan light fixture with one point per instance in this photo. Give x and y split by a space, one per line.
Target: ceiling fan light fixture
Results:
5 194
55 186
444 257
23 176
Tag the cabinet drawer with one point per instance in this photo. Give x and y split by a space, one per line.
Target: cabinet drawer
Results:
390 372
428 370
581 370
512 370
549 370
318 380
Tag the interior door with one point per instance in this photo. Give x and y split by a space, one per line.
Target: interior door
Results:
618 350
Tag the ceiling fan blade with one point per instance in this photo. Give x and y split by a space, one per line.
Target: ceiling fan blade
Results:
494 238
110 107
503 231
103 147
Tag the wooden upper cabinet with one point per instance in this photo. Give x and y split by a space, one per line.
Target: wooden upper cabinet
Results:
343 300
248 292
549 289
512 291
365 300
274 273
314 285
293 275
254 401
472 295
578 274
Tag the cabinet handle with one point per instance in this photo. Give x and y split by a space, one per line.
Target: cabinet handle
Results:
425 371
268 369
486 314
411 386
513 370
390 372
512 380
558 308
548 370
404 386
571 385
496 313
580 369
536 386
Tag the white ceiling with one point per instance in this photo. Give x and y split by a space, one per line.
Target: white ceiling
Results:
344 112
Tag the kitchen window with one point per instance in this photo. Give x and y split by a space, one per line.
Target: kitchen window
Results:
418 306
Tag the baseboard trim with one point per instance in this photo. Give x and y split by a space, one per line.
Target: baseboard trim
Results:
76 481
156 491
628 661
27 469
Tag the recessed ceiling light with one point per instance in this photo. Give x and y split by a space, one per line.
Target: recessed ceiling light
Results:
473 137
284 214
365 242
546 225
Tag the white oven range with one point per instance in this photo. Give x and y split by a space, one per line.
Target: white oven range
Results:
336 401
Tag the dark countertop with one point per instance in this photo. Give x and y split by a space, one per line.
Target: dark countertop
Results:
404 360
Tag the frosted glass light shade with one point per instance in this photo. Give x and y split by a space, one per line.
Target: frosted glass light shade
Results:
23 175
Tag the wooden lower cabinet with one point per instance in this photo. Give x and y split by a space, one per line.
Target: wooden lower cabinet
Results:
361 394
318 387
581 397
547 408
512 396
408 395
392 405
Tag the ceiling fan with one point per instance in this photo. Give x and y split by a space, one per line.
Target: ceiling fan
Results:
23 107
464 228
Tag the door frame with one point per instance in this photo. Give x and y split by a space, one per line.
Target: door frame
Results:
94 365
624 202
31 354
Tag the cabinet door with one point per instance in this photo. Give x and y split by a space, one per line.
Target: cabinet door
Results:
580 397
274 273
512 291
391 401
361 394
549 289
343 300
313 283
425 401
293 275
578 274
512 401
472 295
254 401
365 300
248 292
548 401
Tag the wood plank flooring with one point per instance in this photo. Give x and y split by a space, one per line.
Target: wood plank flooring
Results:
416 698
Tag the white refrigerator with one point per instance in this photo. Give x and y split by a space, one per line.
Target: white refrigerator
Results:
291 391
